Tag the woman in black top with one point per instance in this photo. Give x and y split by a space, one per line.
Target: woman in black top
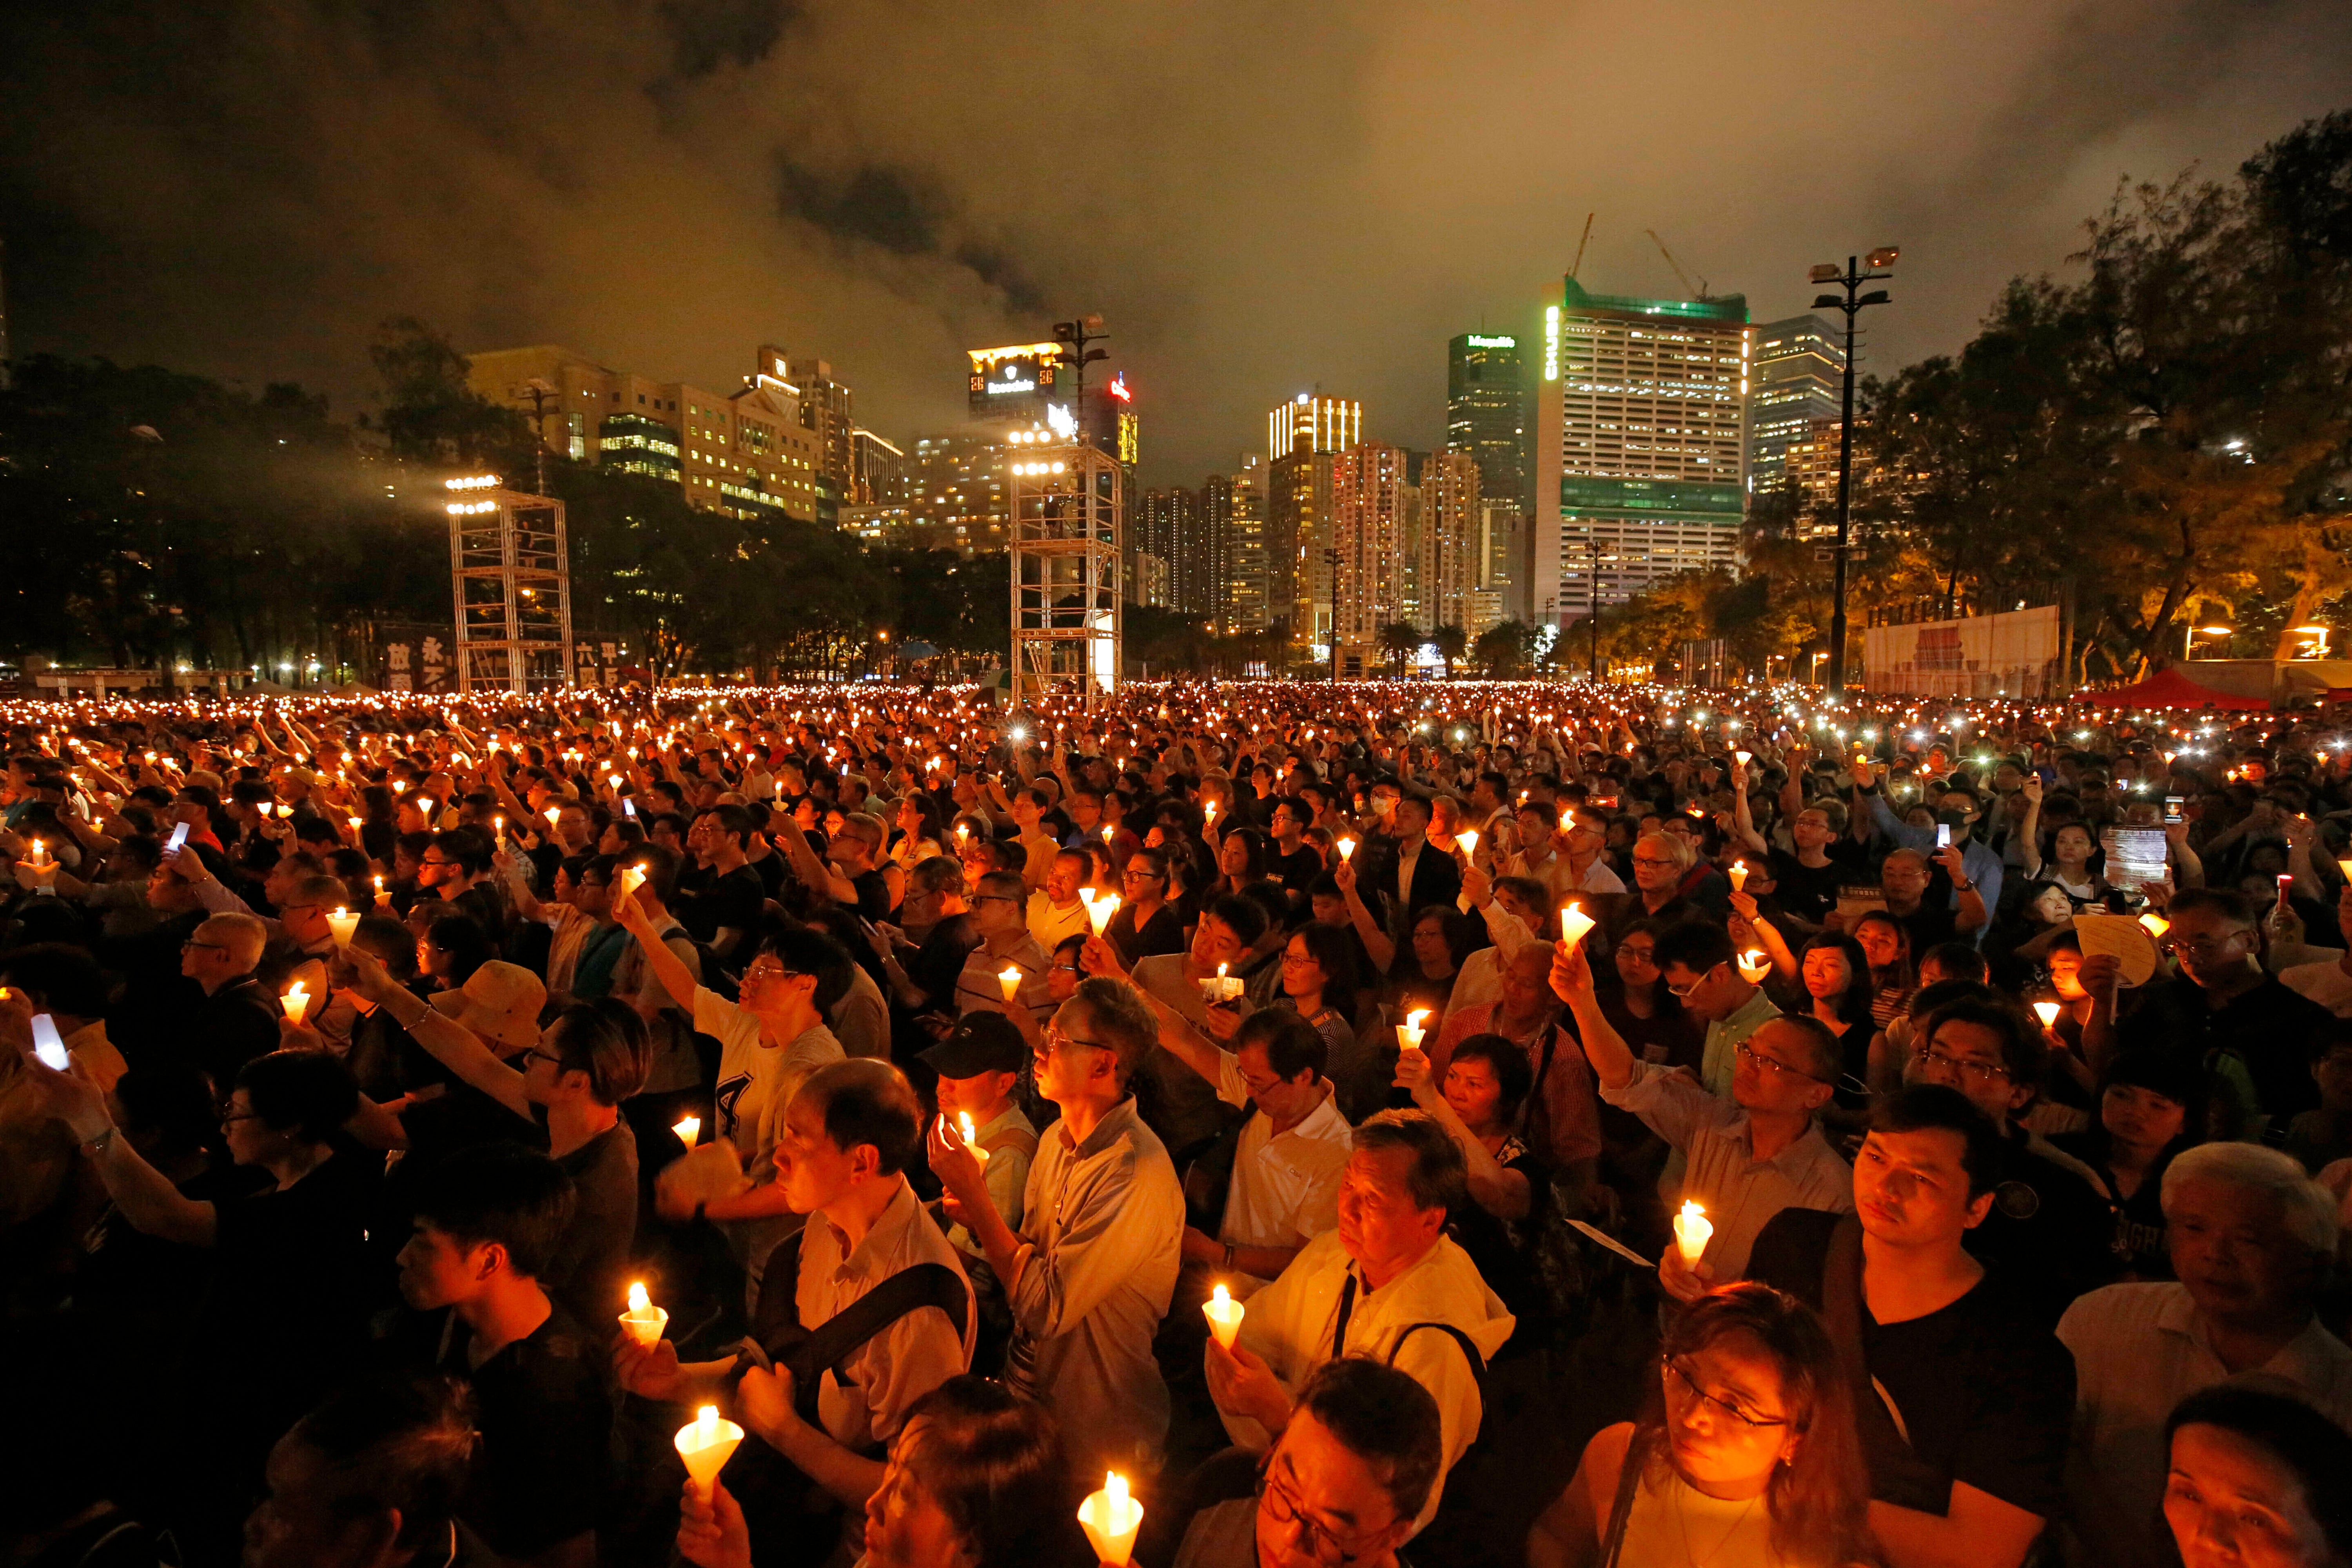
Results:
1146 923
2151 1107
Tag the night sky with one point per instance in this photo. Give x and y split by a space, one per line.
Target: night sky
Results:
1260 197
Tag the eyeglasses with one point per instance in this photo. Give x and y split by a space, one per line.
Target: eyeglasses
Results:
1323 1543
1747 1053
996 898
550 1057
1655 861
770 971
1683 993
1975 1072
1058 1041
229 1117
215 946
1678 1378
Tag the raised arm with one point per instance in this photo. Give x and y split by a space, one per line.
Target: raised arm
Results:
444 1039
1377 944
144 1195
1604 1048
675 977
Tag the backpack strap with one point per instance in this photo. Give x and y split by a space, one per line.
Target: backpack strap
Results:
841 1336
1014 1138
1620 1510
1897 1474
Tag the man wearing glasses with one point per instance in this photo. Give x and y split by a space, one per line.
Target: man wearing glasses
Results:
1353 1470
2051 1221
1743 1159
1000 913
1695 959
1091 1271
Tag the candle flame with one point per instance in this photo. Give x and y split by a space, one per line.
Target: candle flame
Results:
963 1125
1115 1489
1221 1297
1691 1210
638 1301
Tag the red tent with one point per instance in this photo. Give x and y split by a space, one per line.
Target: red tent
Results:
2167 688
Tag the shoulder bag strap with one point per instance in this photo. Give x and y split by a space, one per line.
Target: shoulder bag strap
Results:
839 1337
1621 1511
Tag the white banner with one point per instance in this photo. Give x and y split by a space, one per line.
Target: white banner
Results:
2014 655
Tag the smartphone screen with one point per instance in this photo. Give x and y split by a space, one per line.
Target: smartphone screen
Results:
179 836
1943 835
46 1044
2172 805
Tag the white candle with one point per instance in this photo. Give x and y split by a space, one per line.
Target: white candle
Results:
1738 874
2155 925
1112 1517
295 1002
2048 1013
1010 979
1100 912
706 1443
1573 923
1693 1230
1754 966
342 923
1743 757
1345 847
1409 1033
644 1321
632 879
1468 840
689 1129
970 1136
1224 1315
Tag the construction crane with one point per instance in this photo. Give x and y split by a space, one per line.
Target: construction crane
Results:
1698 293
1577 265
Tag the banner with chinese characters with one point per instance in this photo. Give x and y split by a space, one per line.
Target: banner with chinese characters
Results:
415 658
2012 655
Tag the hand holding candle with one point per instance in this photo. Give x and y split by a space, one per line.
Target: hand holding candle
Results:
1738 875
342 923
970 1136
1009 978
1693 1230
2048 1013
1409 1033
296 1002
1112 1517
1100 912
1224 1315
1573 925
644 1321
706 1443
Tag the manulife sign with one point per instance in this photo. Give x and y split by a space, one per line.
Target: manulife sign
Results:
1478 342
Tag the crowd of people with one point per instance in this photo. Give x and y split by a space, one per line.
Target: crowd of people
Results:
1373 1122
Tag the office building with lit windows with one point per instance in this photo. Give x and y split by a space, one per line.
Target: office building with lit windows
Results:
1798 371
1234 507
1490 416
1303 435
754 452
1639 449
1370 518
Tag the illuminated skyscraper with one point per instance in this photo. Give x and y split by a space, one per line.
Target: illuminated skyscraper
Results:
1640 445
1448 568
1234 507
1798 364
1313 423
1369 486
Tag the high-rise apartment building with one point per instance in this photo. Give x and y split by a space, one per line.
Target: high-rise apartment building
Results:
745 452
956 497
1640 445
1312 423
1234 506
1797 375
1449 562
1168 529
878 470
824 413
1368 520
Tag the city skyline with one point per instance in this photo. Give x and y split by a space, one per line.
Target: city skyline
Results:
678 182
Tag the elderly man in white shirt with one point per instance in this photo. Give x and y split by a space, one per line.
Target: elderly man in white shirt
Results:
1090 1272
1389 1284
2253 1237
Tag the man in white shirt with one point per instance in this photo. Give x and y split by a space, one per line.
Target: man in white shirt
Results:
1516 911
769 1042
1055 910
1090 1272
1746 1158
1387 1283
2253 1238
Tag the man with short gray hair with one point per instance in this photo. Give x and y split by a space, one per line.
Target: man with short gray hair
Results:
1389 1284
237 1019
2253 1239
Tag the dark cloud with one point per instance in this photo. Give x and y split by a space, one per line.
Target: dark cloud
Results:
1259 198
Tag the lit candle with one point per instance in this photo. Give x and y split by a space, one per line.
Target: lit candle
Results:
1345 847
962 832
1009 978
1691 1231
1754 966
1100 912
644 1321
1738 874
632 879
1743 757
355 823
1112 1517
1468 840
1573 923
383 896
1224 1315
689 1129
970 1136
40 853
2346 867
1409 1033
551 814
2155 925
2048 1013
296 1002
342 923
1210 811
706 1443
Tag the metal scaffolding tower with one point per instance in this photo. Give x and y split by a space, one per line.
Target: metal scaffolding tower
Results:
1066 507
510 577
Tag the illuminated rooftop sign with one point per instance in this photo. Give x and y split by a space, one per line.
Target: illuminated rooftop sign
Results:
1478 342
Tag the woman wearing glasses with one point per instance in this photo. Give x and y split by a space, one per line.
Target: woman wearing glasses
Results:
1146 923
1746 1455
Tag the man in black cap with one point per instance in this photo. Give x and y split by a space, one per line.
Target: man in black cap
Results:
979 1065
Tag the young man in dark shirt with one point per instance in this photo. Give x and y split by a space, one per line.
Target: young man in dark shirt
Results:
725 904
1964 1397
489 1220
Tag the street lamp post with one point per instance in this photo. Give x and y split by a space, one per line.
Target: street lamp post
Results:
1593 613
1878 264
1331 559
